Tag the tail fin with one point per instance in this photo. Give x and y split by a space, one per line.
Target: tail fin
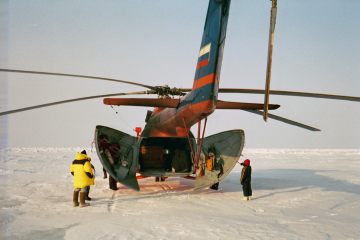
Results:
206 82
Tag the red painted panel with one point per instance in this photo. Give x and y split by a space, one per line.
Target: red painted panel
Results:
204 81
203 63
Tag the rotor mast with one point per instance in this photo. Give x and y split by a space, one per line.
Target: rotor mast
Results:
269 58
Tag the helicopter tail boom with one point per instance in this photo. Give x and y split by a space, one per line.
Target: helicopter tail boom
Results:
206 80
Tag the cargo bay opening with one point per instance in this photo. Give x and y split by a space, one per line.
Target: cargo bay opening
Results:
161 155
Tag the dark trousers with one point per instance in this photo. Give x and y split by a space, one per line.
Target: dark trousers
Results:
87 190
215 186
112 183
247 189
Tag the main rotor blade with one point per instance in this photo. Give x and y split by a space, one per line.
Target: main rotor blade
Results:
241 105
291 93
185 89
284 120
269 58
68 101
76 75
143 102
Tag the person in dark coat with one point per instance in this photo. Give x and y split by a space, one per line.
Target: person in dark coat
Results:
111 149
218 165
245 179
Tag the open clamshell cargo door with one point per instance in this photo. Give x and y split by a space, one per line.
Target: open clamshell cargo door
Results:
227 147
118 153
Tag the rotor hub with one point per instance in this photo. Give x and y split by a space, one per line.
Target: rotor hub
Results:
166 91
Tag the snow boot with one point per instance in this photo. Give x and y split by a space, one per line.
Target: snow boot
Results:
112 183
215 186
82 200
76 198
87 194
246 198
87 197
105 173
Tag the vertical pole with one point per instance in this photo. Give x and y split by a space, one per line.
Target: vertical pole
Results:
200 146
202 137
189 141
198 135
196 162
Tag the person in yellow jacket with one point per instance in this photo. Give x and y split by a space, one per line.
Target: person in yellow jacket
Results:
83 177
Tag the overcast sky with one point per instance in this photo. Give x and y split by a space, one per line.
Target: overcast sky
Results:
157 42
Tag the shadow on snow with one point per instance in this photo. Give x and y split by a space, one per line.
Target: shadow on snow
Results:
275 179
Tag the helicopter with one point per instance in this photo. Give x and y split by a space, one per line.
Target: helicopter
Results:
166 147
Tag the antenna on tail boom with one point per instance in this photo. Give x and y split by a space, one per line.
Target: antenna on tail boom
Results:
269 59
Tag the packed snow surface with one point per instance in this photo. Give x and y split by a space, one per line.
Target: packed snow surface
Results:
297 194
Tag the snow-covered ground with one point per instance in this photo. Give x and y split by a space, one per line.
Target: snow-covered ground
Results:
298 194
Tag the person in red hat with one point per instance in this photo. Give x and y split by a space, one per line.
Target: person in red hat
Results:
245 179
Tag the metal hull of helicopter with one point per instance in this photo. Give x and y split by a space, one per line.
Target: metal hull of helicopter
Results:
127 158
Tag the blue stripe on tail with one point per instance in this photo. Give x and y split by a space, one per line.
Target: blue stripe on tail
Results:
211 49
